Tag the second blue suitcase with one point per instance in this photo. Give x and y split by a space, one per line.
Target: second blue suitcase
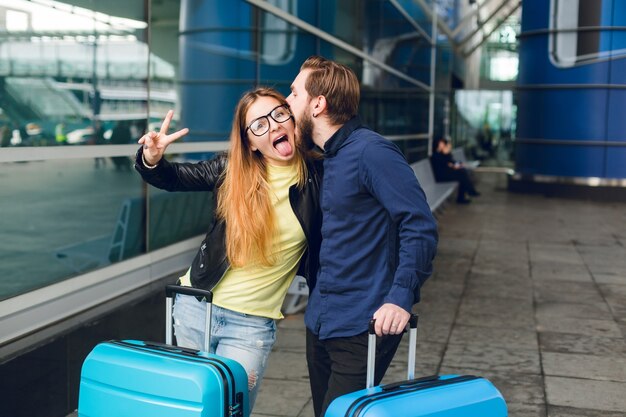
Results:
131 378
433 396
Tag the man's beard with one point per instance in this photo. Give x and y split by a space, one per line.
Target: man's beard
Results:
306 132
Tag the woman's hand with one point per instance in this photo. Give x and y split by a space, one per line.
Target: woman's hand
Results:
155 143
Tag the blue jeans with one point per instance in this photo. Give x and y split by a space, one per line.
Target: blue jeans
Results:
243 337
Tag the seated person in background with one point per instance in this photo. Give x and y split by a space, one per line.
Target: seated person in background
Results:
445 168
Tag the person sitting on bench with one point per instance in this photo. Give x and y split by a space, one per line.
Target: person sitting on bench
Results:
445 168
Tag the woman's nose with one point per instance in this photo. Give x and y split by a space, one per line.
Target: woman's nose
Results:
273 124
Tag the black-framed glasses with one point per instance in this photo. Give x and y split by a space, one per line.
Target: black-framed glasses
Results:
261 125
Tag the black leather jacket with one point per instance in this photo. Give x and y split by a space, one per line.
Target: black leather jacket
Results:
210 263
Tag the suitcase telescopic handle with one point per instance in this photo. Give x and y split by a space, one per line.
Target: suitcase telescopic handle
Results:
371 351
170 292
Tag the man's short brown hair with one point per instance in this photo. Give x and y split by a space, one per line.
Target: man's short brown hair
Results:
337 83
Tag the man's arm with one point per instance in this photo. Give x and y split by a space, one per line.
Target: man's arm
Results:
389 178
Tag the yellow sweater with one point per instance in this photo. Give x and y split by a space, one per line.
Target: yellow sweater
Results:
260 290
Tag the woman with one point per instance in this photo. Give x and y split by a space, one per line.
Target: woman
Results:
267 215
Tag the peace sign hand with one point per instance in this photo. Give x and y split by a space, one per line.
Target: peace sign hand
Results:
155 143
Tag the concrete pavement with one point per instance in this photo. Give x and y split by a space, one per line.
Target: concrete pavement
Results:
528 291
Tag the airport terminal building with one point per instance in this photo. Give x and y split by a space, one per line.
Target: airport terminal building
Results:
534 91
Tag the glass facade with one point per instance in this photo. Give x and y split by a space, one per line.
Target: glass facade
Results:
95 73
73 76
81 81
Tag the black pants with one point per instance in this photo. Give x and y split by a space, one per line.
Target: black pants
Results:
339 366
466 186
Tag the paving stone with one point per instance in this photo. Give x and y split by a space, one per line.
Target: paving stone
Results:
495 260
308 410
594 239
432 330
571 292
448 276
615 295
518 281
526 410
584 366
285 365
500 337
501 312
432 290
494 287
585 344
437 308
607 269
610 279
506 247
282 398
516 388
428 353
501 257
561 272
578 412
486 357
603 255
586 394
397 371
519 270
549 311
602 328
452 263
457 249
550 254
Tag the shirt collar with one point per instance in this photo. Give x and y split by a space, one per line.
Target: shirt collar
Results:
332 145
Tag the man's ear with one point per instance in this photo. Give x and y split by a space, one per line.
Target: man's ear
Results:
319 106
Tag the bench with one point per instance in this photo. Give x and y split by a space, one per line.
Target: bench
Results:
458 154
173 217
436 192
297 296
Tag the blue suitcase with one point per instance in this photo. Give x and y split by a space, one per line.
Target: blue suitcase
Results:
433 396
131 378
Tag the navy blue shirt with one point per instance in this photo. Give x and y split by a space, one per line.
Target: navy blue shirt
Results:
378 234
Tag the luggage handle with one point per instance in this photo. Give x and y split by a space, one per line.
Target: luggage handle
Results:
371 351
410 383
169 348
170 291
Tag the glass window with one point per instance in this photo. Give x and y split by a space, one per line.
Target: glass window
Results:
572 44
71 76
61 218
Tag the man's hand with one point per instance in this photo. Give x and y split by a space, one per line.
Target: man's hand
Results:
154 144
390 319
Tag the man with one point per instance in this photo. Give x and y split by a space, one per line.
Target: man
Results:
378 235
445 168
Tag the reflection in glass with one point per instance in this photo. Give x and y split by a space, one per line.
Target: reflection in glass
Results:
67 72
61 218
73 76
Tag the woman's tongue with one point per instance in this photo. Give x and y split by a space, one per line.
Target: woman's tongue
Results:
283 147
